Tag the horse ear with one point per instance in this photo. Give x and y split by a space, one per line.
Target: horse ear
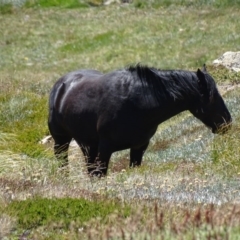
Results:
202 82
204 68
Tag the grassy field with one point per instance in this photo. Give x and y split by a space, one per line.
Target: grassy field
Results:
189 184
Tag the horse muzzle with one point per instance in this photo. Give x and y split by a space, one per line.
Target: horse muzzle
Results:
223 128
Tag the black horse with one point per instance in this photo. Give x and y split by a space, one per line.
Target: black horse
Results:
122 109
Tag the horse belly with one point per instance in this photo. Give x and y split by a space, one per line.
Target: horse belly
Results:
127 134
82 129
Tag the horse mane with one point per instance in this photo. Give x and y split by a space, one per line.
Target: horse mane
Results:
178 84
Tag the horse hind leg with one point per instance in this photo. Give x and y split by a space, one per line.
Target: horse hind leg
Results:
61 149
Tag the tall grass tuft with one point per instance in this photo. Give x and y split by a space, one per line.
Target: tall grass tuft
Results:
7 225
226 153
24 116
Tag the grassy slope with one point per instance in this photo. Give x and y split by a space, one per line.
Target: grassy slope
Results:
41 44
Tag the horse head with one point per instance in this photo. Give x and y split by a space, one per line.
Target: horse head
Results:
210 107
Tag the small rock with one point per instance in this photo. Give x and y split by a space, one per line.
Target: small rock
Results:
46 140
230 60
108 2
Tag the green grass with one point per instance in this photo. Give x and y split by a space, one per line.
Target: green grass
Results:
19 114
135 3
56 46
225 153
36 212
193 38
188 174
56 3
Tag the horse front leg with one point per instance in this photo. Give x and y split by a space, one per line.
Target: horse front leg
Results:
102 160
90 154
136 155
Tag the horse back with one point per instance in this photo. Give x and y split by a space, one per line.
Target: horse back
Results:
69 83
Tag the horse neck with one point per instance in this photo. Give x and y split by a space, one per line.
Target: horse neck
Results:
170 106
167 110
181 91
167 93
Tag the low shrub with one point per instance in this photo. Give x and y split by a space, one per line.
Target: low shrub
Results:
56 3
63 212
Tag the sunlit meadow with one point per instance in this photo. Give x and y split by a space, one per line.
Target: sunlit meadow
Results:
189 184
